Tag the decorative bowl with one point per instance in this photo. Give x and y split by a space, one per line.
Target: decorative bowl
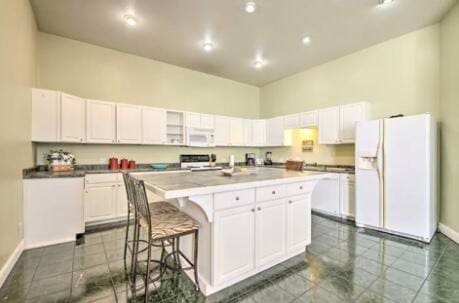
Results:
159 166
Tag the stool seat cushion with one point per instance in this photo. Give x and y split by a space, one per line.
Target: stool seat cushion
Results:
169 225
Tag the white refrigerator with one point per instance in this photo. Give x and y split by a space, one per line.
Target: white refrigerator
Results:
396 176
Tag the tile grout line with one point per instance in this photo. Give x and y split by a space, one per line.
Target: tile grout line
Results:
430 272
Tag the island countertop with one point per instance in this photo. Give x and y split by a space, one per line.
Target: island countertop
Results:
171 185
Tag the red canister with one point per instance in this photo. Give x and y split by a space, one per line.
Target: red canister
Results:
113 163
124 164
132 164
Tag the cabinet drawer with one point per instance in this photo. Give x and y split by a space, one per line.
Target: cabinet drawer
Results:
101 178
271 192
233 198
299 188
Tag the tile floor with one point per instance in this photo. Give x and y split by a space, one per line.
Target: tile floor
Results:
343 264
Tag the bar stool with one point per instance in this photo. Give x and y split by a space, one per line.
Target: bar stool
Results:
156 207
162 228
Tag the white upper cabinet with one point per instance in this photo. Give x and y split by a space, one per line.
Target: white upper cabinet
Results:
350 114
128 124
101 122
258 132
45 115
329 125
237 132
248 134
222 131
292 121
309 119
193 120
154 125
196 120
275 131
73 119
207 121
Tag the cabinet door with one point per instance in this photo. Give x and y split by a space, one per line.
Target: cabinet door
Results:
270 231
349 116
298 223
128 124
100 122
275 131
45 115
292 121
347 198
121 201
207 121
329 126
73 119
248 139
153 125
258 132
100 203
309 119
234 240
236 132
326 195
222 131
193 120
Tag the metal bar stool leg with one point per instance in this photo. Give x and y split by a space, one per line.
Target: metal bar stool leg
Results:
195 257
127 239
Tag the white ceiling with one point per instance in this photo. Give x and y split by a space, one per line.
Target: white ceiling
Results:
173 30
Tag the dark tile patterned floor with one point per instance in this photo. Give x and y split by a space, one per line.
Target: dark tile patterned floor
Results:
343 264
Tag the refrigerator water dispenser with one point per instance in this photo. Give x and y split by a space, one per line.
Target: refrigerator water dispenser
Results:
368 161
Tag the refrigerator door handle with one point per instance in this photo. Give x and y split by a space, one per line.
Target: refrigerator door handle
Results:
380 171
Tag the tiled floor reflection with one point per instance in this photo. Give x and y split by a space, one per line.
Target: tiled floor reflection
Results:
343 264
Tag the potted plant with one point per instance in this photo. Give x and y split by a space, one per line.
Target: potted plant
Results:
60 160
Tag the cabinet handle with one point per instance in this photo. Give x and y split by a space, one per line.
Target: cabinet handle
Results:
301 187
114 185
253 210
81 139
273 192
113 141
259 208
290 202
237 198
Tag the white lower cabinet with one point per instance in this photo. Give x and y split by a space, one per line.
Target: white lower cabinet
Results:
298 222
99 203
255 235
104 198
347 196
270 231
335 195
234 234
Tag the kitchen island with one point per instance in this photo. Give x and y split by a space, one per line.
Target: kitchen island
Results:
249 223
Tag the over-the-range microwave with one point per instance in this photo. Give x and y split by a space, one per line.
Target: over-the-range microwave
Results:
200 137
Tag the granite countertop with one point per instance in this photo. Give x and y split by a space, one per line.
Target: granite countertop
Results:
182 184
41 172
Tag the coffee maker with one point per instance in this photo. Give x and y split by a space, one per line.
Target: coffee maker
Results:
250 159
268 158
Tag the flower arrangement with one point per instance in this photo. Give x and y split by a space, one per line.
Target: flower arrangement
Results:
60 160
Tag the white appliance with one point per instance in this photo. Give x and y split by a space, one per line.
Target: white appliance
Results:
197 163
200 137
53 211
396 176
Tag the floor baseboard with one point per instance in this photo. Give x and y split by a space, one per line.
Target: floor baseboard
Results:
9 264
449 232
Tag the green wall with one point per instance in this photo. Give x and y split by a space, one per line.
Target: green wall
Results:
94 72
450 119
17 75
401 75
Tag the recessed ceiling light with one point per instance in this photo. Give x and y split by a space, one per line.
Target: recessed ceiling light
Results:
130 20
208 46
259 63
306 40
250 7
385 2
